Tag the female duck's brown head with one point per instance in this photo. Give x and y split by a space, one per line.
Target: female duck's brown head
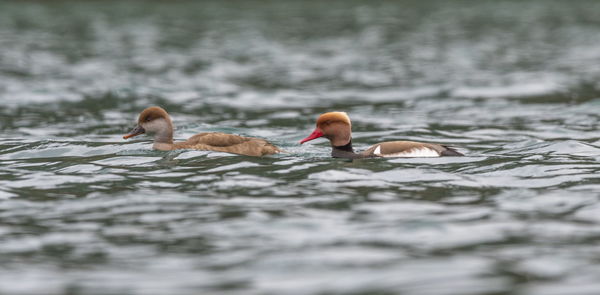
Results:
154 120
334 126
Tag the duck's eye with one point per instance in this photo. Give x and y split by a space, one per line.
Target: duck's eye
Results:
147 119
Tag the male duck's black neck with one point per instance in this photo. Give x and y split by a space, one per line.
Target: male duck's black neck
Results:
345 151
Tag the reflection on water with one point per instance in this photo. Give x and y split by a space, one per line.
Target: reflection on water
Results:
514 85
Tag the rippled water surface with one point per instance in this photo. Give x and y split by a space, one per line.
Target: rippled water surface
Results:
515 85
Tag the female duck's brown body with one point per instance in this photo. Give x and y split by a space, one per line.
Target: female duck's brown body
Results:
336 127
156 120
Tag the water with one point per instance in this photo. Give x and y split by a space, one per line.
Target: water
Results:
512 84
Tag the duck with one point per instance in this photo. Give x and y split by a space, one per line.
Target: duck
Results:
337 128
156 121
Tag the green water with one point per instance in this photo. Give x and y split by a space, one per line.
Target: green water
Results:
512 84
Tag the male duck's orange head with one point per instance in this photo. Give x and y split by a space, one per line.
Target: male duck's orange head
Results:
335 126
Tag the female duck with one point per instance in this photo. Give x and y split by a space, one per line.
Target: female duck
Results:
336 127
156 121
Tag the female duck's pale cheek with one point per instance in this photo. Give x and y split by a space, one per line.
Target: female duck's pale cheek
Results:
146 127
150 126
155 126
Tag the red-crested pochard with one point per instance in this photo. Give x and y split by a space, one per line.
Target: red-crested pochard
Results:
336 127
155 120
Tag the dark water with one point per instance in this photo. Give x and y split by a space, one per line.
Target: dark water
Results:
513 84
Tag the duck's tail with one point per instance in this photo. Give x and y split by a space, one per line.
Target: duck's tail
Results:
450 152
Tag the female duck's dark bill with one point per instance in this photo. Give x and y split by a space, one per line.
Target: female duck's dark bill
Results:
137 130
315 134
